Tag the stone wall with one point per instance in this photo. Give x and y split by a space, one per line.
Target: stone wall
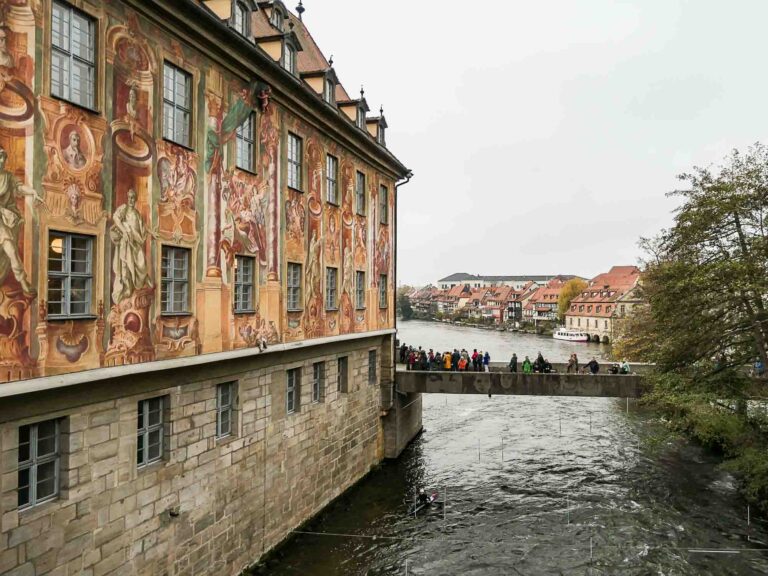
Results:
211 506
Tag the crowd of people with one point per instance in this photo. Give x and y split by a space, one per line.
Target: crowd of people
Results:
479 361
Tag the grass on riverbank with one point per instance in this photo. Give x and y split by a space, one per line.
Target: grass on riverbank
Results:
736 429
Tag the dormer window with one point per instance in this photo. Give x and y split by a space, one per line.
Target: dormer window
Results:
289 59
380 137
361 118
329 91
277 19
240 19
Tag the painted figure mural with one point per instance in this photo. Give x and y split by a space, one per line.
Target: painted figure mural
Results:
129 265
113 180
10 221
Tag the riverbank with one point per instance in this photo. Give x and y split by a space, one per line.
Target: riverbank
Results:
543 329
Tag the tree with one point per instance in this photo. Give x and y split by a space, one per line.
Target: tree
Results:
706 277
571 289
404 308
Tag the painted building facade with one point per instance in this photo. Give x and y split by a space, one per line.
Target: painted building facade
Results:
196 284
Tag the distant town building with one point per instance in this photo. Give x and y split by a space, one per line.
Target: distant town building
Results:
474 281
608 298
544 301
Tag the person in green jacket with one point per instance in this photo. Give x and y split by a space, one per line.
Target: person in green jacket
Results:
527 366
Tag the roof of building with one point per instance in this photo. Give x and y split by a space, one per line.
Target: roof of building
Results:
604 290
464 277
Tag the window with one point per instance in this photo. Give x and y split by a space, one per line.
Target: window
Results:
381 135
240 19
149 446
332 179
360 194
329 91
294 161
177 104
318 381
70 274
373 362
383 205
578 321
277 18
289 58
606 324
383 291
73 55
361 118
359 290
331 288
622 309
245 138
175 281
293 390
224 403
342 381
294 286
38 472
245 283
570 321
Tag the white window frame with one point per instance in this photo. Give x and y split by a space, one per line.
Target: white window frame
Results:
360 183
245 286
245 144
318 381
168 303
331 288
295 152
32 465
61 51
67 275
177 108
292 390
240 19
293 290
144 431
383 205
383 299
359 290
329 91
332 179
225 404
289 58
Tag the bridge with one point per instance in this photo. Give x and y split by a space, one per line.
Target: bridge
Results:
499 381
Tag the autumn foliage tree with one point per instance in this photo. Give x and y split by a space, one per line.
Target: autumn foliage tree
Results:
571 289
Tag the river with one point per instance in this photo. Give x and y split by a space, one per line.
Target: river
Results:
533 485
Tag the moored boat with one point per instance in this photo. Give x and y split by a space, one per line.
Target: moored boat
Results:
570 335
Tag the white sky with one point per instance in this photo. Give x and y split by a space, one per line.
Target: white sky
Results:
544 135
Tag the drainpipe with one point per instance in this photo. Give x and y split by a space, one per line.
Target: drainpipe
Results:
408 177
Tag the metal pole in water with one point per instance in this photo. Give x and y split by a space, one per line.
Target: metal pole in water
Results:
627 404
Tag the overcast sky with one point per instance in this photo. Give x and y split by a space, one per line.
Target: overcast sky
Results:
544 135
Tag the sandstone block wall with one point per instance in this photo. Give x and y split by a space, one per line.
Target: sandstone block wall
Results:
212 505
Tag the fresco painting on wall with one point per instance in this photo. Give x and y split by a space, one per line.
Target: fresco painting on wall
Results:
313 299
154 192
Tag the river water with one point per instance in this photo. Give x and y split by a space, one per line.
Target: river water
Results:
533 485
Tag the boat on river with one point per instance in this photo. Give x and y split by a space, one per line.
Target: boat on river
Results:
570 335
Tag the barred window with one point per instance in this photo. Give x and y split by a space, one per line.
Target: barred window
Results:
294 161
73 55
332 179
373 362
70 274
383 205
359 290
245 144
383 291
245 283
342 379
177 104
318 381
174 292
38 470
360 194
150 432
331 288
224 406
293 390
294 286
